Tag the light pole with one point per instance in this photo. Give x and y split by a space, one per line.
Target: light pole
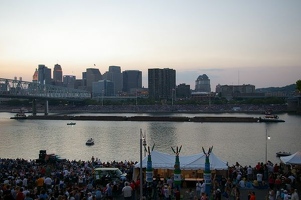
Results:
267 137
102 97
136 98
144 144
172 97
141 190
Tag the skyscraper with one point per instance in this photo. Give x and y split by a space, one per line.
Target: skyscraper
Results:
103 88
69 81
57 74
132 79
35 76
114 74
92 75
161 83
202 84
44 75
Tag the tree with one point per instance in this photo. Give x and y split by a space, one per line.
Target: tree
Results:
298 85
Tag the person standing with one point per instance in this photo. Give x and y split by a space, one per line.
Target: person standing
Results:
20 194
252 196
271 194
127 191
198 189
295 195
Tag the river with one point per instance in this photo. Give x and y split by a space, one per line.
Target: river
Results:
245 143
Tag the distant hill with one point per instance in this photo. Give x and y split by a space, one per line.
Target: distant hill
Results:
288 89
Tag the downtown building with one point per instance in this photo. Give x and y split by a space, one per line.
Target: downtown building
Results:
202 84
161 83
57 75
114 75
44 74
89 76
132 81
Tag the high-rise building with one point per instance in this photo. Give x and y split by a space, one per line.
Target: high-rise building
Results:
92 75
44 75
69 81
57 74
114 74
132 79
183 91
161 83
202 84
35 76
103 88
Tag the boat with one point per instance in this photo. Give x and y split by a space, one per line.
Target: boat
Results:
283 153
270 118
20 115
90 142
71 123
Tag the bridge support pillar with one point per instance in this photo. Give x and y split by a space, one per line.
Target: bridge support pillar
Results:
46 108
34 107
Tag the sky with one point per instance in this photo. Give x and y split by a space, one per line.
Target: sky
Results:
233 42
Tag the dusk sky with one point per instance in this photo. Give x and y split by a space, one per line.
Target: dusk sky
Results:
233 42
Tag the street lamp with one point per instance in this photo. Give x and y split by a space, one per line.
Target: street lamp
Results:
172 96
102 98
267 137
136 98
141 188
144 144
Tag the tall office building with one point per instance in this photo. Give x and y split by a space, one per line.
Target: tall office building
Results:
44 75
92 75
114 74
103 88
202 84
161 83
35 76
57 74
132 79
69 81
183 91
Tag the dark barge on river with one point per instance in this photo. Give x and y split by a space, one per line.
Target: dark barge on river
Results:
145 118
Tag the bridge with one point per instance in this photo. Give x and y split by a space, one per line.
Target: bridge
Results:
12 88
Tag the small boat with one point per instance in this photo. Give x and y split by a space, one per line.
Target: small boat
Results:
270 118
283 153
20 115
90 142
71 123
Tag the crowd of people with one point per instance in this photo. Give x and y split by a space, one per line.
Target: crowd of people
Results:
280 180
28 179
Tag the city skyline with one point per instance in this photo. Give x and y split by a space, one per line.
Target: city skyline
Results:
232 42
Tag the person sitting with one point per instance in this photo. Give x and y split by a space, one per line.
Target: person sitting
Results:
242 183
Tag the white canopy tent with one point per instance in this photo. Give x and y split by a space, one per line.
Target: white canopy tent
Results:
192 162
292 159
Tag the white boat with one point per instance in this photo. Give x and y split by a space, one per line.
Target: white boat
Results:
20 115
270 118
71 123
90 142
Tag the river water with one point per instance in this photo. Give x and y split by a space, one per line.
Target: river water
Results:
245 143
